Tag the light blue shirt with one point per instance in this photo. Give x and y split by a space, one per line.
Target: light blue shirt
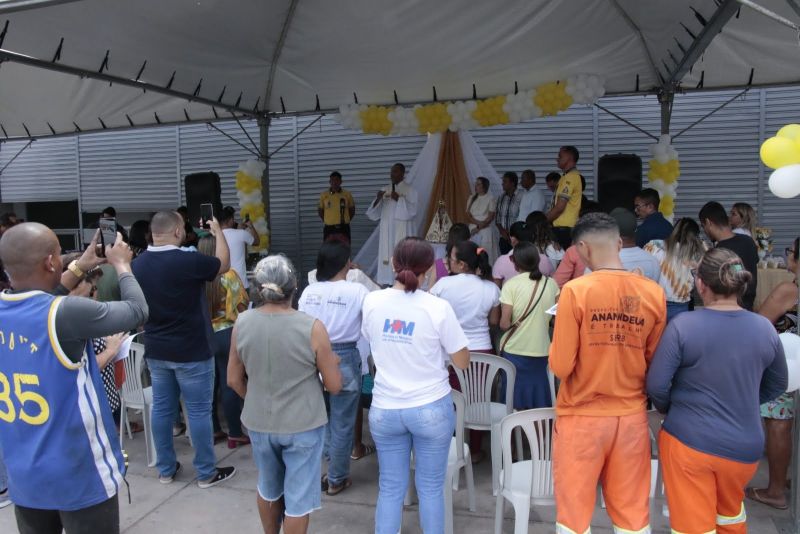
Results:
634 258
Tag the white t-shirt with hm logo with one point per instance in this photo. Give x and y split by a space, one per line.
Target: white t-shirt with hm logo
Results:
411 336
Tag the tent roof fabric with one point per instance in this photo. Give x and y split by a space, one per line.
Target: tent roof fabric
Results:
331 50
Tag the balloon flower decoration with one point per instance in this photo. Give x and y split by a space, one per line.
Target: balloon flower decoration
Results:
663 174
782 153
545 100
251 203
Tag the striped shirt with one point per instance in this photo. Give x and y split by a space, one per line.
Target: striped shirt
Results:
508 209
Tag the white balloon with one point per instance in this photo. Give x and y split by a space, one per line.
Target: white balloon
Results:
791 348
785 181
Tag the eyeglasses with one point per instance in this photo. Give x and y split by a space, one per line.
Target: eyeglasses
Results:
789 251
694 273
640 206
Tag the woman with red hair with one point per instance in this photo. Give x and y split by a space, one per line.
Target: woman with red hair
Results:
410 332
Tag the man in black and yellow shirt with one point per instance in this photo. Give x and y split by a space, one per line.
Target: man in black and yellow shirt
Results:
336 209
567 196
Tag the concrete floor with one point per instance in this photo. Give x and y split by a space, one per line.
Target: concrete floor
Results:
181 507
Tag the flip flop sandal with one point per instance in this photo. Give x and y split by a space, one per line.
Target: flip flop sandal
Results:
335 490
753 495
368 449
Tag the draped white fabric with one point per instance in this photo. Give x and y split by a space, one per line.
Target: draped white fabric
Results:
421 177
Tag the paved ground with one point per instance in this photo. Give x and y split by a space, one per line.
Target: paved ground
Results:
181 507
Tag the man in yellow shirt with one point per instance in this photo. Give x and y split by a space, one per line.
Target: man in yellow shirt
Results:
566 205
336 209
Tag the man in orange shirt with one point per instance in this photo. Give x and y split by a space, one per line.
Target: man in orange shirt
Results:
608 325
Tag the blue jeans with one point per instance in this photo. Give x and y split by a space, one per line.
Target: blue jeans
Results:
427 429
231 401
289 466
195 382
342 414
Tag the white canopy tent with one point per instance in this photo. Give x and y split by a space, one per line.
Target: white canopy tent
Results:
143 62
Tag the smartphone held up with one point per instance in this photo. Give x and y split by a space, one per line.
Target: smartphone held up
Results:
206 214
108 234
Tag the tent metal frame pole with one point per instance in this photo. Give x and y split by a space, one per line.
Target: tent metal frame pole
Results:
639 34
21 150
771 14
263 129
295 136
276 55
22 59
229 136
707 115
666 99
23 5
718 20
626 121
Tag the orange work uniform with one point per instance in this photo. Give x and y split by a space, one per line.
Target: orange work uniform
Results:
607 329
704 492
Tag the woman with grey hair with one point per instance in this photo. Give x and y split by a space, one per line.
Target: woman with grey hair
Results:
277 356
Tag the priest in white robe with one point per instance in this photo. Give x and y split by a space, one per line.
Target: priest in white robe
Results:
395 207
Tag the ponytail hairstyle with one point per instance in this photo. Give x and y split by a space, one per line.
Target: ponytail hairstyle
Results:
412 257
485 183
277 277
723 272
526 258
475 258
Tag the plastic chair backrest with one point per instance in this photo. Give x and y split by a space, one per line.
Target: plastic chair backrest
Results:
477 379
537 424
132 389
460 404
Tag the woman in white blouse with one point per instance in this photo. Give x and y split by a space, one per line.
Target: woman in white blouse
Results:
481 209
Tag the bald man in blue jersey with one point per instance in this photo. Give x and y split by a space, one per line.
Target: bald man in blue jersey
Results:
59 441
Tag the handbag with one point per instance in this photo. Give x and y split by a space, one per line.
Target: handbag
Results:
528 310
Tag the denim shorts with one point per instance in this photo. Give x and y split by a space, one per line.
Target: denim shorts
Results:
289 465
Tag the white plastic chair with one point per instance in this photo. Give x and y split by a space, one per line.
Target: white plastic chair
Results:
526 482
459 457
133 395
482 413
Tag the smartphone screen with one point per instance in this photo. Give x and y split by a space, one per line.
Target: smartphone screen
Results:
108 232
206 213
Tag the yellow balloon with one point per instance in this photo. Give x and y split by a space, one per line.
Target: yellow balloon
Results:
790 131
779 151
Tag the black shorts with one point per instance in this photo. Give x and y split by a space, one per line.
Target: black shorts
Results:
103 517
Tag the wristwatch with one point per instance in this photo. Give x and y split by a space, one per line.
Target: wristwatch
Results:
74 269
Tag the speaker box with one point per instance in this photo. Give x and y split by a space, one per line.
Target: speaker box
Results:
202 188
619 179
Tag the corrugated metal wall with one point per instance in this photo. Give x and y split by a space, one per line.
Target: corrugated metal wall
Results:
143 169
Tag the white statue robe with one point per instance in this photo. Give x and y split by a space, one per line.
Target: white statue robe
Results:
396 223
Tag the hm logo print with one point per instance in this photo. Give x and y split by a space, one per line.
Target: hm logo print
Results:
398 330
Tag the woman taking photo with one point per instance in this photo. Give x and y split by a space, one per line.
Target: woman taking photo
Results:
677 257
277 357
481 208
711 371
524 300
226 298
410 332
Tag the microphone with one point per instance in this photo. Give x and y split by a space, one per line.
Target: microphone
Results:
393 187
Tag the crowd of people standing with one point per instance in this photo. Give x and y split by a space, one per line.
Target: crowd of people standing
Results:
605 302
